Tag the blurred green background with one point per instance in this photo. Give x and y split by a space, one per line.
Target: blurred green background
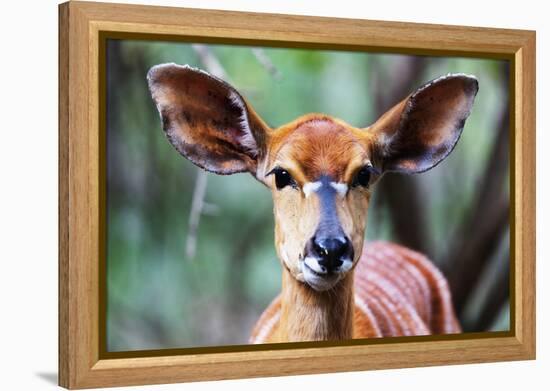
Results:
184 276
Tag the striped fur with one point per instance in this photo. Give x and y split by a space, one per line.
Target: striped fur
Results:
397 292
389 290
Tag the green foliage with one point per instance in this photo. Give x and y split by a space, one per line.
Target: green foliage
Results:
157 297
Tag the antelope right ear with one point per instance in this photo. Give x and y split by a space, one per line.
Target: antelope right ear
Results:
421 130
207 120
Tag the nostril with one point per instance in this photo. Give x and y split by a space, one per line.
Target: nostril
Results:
319 247
321 254
344 247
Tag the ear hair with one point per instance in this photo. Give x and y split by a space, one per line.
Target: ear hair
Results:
247 139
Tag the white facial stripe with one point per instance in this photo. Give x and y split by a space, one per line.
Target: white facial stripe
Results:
341 188
311 187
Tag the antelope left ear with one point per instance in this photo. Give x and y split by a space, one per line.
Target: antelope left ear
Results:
420 131
207 120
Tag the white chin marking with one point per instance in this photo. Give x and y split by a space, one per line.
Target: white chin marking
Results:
313 264
346 266
311 187
341 188
316 282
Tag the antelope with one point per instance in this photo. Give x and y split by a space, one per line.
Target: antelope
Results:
321 172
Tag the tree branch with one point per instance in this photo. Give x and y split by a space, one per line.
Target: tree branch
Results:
210 61
197 205
266 62
212 65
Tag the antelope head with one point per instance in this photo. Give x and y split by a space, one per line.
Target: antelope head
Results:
320 169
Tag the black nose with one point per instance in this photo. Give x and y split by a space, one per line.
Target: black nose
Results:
331 252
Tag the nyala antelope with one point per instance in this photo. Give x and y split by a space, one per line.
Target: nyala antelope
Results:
321 171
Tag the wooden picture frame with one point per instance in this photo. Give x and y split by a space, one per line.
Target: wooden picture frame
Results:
82 360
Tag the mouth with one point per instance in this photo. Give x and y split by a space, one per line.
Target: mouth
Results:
319 281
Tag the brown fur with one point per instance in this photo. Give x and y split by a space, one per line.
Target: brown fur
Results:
312 146
402 294
307 315
317 144
391 291
202 120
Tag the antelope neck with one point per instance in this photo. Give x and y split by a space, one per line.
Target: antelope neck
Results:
308 315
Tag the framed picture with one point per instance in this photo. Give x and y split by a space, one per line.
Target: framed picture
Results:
247 195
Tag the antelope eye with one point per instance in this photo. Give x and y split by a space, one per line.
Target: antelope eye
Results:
362 178
282 178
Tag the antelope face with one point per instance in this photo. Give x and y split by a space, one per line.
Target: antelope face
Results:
320 169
